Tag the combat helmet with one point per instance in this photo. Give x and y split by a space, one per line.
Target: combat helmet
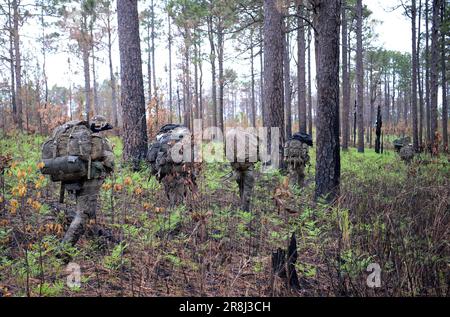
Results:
99 123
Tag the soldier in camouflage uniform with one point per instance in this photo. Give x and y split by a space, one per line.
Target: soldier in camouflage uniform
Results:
87 191
177 174
407 153
405 149
242 153
401 142
296 157
80 158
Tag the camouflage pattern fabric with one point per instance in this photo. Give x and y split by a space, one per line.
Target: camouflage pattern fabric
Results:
242 153
401 142
86 204
177 175
407 153
245 178
296 158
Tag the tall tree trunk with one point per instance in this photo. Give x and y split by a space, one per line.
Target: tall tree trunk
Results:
17 64
220 57
360 76
414 76
444 81
386 95
326 22
310 106
84 44
111 74
87 80
212 58
345 82
261 76
252 68
196 99
287 83
170 68
273 69
200 88
187 100
427 71
301 69
94 79
149 64
419 78
11 64
132 84
155 87
434 72
44 59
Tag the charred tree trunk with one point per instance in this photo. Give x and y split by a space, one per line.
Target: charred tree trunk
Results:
273 68
379 124
444 81
132 92
328 167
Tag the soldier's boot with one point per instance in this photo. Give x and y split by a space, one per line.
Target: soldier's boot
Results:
76 228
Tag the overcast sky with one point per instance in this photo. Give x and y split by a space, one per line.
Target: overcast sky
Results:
393 34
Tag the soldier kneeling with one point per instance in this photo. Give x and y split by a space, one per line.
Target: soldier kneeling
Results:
296 157
80 158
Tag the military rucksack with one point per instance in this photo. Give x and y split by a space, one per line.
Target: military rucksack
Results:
160 153
296 152
70 153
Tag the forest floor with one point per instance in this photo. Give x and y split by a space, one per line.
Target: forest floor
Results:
389 213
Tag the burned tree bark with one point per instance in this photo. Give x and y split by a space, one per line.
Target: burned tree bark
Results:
379 124
273 67
132 90
328 167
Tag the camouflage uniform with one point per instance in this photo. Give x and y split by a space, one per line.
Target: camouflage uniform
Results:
296 157
87 191
177 175
401 142
242 153
244 175
407 153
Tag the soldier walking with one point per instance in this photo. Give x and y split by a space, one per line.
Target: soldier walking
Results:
80 158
